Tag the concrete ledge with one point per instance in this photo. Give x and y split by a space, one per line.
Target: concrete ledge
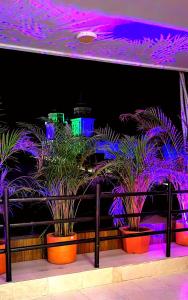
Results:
36 279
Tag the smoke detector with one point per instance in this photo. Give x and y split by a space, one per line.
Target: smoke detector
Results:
86 37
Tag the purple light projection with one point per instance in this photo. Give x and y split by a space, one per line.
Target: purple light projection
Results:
118 207
26 144
52 26
158 238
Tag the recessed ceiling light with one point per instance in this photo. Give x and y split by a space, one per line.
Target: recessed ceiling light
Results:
86 37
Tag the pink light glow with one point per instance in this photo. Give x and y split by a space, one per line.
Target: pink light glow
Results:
51 25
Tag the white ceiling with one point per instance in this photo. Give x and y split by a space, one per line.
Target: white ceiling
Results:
169 12
142 32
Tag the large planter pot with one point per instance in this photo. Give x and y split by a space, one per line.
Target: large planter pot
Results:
62 254
2 260
138 244
181 237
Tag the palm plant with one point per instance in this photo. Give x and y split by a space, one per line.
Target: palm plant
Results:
172 144
11 143
64 172
136 167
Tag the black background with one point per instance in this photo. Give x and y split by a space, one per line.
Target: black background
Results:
31 85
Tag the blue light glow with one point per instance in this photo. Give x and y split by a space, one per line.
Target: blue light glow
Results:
107 148
50 131
169 152
83 126
87 126
139 31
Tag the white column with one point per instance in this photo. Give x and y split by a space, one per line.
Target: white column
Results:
184 106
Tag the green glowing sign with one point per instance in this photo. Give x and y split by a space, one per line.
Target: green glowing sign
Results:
57 117
82 126
76 126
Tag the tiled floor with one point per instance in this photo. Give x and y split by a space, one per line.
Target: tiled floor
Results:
113 258
173 287
120 276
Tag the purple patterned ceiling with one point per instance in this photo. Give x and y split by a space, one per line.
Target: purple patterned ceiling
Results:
50 26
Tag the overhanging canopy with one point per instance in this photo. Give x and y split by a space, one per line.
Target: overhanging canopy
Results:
143 33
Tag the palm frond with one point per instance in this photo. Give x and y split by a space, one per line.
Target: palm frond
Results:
34 130
108 134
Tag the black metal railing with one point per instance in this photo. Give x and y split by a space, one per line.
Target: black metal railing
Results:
97 218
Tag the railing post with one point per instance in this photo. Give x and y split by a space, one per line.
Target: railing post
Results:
97 226
169 221
7 235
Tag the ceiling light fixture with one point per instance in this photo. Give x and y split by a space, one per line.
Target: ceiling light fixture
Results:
86 37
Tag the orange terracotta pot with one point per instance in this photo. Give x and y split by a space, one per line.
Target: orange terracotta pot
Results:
2 260
135 244
62 254
181 237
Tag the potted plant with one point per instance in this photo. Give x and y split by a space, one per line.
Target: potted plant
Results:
135 170
135 166
173 147
12 143
64 172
